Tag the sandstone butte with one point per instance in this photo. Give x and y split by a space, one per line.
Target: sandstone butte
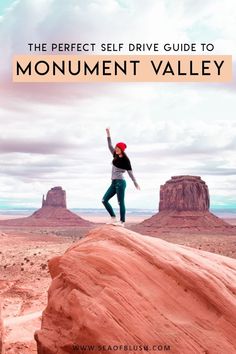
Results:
116 287
52 213
184 205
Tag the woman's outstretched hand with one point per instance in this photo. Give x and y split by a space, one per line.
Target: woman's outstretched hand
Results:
108 132
137 186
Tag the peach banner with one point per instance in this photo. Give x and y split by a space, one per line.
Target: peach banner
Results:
122 68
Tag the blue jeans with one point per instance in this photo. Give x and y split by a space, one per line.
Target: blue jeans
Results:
117 187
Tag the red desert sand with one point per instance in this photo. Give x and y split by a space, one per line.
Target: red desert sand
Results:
1 332
116 287
24 280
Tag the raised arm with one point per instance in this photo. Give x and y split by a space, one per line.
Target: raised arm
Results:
111 148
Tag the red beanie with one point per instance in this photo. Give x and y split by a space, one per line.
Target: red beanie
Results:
122 146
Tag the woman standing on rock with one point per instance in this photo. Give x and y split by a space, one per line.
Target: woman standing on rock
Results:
120 164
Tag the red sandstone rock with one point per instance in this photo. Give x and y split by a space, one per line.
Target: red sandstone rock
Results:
184 205
52 213
184 193
56 197
117 287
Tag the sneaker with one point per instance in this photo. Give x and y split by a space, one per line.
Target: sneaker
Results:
112 220
119 223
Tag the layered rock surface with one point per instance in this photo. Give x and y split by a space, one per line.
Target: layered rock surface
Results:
116 288
184 193
184 205
56 197
52 213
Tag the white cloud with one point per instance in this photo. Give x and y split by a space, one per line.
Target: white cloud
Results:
55 134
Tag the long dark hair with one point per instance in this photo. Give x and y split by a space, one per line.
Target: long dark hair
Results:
123 162
116 156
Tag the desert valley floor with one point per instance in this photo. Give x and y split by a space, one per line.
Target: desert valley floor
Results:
25 279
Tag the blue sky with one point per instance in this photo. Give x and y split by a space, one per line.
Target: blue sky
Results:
4 4
55 134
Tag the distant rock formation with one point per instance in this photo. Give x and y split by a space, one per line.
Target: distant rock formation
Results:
52 213
184 204
119 288
184 193
56 197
